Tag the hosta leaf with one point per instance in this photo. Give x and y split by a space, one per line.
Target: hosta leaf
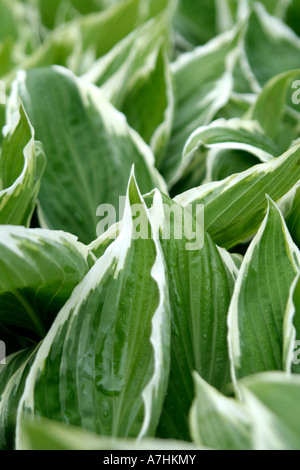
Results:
217 421
194 175
268 432
291 346
39 270
140 63
293 16
293 219
234 134
195 22
43 434
149 107
264 420
221 164
55 12
238 105
15 29
8 21
270 105
89 146
279 394
104 364
12 378
58 11
131 59
203 84
78 43
257 309
12 363
98 246
239 134
265 35
201 280
22 164
235 207
276 8
6 57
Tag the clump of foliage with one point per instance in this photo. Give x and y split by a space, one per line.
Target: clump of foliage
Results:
123 342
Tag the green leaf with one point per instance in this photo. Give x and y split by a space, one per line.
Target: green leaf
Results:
257 309
266 419
276 8
58 11
270 105
8 21
22 164
239 134
6 56
43 434
19 34
238 105
99 246
201 280
12 378
195 22
221 164
89 147
131 59
39 270
140 63
293 221
278 394
265 35
291 346
203 85
293 16
124 23
149 107
236 206
55 12
217 421
104 364
78 43
234 134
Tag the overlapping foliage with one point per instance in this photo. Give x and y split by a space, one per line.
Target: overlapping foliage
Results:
118 341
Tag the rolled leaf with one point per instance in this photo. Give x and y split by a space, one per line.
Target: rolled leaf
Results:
236 206
22 163
39 270
13 377
257 310
203 85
